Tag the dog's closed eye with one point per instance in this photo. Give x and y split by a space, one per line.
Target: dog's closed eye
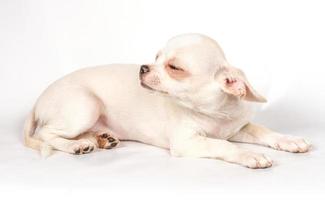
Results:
176 72
173 67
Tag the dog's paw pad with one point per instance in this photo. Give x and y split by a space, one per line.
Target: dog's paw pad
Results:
107 141
291 144
83 148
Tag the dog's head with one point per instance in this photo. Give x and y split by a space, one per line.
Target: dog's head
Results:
193 67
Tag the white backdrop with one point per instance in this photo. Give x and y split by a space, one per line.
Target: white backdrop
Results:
279 44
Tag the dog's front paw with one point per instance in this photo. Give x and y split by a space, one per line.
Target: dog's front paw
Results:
291 144
82 147
254 160
107 141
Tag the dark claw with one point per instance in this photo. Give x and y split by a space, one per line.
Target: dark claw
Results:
113 144
91 148
86 149
104 135
77 151
110 139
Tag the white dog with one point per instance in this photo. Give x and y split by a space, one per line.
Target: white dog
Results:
191 101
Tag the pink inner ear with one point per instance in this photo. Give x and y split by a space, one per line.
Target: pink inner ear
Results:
229 81
235 87
233 81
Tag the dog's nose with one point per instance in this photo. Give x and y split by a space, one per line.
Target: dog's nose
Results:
144 69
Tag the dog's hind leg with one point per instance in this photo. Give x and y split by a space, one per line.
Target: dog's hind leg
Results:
70 113
51 137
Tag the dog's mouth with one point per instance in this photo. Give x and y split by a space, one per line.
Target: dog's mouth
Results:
146 86
150 88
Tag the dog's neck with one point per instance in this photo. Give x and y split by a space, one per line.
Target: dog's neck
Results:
224 106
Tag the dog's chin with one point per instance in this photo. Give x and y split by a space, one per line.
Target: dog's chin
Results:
146 86
152 89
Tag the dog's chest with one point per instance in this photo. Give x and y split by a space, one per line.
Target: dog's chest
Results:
225 128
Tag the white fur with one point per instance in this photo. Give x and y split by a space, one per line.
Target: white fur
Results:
191 117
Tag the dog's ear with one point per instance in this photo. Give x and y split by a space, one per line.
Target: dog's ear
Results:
233 81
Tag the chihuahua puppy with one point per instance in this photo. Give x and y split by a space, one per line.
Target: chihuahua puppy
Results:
190 101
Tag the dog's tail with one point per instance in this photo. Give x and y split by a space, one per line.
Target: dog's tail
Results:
32 142
29 129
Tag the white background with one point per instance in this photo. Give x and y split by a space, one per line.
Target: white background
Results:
279 44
